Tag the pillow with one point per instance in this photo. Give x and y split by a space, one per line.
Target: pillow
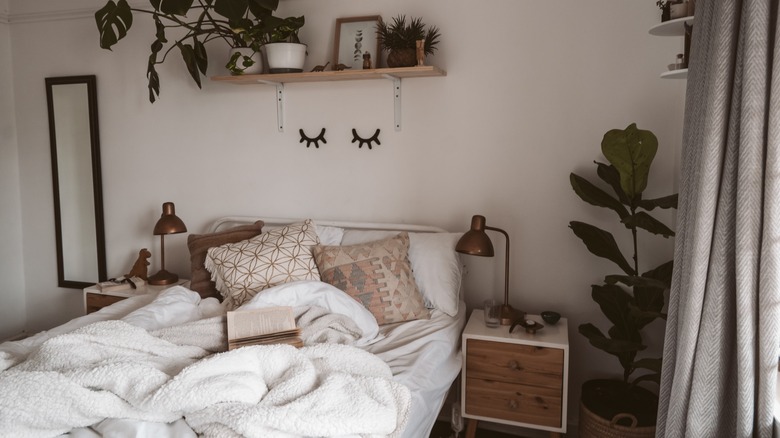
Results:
241 270
198 244
377 274
437 267
329 236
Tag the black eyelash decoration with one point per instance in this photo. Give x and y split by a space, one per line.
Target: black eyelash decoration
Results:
366 141
316 140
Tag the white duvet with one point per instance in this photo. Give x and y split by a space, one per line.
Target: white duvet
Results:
116 369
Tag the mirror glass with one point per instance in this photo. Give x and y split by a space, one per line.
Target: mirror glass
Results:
78 194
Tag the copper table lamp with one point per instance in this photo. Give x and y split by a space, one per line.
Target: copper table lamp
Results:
168 223
476 242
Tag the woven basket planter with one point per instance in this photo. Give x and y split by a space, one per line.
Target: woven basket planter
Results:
593 426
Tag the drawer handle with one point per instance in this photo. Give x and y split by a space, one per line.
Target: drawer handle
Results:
512 404
513 365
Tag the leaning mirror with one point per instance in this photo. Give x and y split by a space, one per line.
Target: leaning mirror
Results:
78 194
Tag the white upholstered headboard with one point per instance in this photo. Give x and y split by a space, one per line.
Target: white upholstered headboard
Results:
232 221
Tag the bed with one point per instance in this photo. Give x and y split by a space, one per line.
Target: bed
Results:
400 362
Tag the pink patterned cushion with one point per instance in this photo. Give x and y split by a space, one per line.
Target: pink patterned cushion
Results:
376 274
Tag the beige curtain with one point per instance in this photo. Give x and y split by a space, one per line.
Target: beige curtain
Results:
721 347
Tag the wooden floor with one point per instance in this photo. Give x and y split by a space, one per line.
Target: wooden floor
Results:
442 429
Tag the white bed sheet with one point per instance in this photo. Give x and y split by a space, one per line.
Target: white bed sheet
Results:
423 355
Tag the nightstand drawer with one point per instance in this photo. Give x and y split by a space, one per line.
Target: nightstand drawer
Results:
514 402
96 302
515 363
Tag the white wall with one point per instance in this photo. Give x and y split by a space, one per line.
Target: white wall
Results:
12 309
531 87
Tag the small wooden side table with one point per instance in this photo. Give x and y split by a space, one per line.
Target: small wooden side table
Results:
518 379
95 299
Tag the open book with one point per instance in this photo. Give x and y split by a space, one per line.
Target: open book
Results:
270 325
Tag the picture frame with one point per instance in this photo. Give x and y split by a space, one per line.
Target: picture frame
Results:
354 37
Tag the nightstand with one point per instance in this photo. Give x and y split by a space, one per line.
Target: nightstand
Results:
519 379
94 299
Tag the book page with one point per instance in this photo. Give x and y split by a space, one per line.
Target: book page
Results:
255 322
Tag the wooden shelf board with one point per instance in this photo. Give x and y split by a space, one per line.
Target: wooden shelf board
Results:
326 76
672 27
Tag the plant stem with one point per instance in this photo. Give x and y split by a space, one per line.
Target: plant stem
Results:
636 252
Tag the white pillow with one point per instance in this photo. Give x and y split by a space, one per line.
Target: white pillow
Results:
329 236
435 264
317 293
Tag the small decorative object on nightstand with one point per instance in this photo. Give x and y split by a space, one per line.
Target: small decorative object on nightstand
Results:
168 223
96 299
518 379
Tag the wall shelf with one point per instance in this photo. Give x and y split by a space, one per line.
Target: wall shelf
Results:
671 27
681 73
674 27
279 80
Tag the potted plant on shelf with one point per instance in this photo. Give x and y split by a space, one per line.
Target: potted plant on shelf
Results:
400 38
284 50
241 24
631 299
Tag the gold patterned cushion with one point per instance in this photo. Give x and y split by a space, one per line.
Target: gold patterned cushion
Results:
241 270
199 244
376 274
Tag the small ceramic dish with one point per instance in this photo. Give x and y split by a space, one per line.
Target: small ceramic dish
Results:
551 317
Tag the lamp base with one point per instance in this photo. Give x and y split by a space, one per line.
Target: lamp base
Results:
163 277
509 315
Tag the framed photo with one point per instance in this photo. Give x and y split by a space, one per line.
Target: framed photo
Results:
356 38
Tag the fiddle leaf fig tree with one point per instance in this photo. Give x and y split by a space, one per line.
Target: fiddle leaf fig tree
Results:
631 299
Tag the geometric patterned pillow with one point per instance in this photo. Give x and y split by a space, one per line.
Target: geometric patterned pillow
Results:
378 275
241 270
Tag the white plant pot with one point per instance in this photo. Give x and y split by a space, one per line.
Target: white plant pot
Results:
247 53
285 57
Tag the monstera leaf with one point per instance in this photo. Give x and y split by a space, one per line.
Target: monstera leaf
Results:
631 151
113 20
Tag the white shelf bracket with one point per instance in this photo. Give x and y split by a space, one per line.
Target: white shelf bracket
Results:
279 103
280 107
396 99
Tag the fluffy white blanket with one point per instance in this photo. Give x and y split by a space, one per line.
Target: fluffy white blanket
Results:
115 370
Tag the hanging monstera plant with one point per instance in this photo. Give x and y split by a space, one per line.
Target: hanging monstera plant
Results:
239 23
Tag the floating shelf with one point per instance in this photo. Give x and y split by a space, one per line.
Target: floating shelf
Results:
672 27
681 73
278 80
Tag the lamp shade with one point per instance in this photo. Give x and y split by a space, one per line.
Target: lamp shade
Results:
169 223
476 241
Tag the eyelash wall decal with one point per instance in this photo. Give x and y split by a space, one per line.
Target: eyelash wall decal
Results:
316 140
366 141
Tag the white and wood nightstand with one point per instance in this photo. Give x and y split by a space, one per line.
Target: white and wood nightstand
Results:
95 299
519 379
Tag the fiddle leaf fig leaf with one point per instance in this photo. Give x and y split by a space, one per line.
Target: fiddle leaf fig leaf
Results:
665 202
610 175
601 243
614 303
188 54
633 280
649 223
631 151
611 346
113 21
662 273
595 196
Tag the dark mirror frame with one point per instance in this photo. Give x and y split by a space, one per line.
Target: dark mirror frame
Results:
97 188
